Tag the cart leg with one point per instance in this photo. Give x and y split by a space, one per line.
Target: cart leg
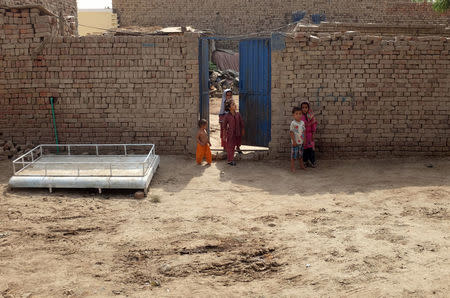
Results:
50 189
99 190
146 191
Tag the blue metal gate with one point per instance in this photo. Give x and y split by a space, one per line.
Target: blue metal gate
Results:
203 57
254 90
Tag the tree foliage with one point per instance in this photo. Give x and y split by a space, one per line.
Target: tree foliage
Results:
438 5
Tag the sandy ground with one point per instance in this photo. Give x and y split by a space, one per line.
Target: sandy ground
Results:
214 126
347 228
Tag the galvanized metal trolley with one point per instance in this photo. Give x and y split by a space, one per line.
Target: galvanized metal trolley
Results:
86 166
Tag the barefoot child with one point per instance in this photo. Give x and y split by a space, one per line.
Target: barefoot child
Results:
309 156
203 144
296 132
234 130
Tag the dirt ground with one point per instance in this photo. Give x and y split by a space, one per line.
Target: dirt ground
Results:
214 126
347 228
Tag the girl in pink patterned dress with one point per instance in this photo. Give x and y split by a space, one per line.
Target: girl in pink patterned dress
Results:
309 156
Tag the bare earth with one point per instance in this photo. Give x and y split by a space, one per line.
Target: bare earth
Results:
347 228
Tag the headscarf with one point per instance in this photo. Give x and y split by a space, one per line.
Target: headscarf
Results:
224 98
310 115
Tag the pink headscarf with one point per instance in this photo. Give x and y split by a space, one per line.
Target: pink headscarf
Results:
310 115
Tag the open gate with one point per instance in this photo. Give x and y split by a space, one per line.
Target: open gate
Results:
254 88
203 57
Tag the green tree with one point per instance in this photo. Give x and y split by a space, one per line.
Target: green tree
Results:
438 5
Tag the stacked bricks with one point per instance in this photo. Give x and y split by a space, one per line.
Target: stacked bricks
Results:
242 17
9 150
68 7
373 96
66 10
107 89
22 34
376 29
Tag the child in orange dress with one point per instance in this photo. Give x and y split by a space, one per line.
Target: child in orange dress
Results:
203 143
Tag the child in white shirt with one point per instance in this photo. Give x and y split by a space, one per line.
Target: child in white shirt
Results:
297 132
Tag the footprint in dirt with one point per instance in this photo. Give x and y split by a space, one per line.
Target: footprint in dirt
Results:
385 234
267 218
426 247
435 213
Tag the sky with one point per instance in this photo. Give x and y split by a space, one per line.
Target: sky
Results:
84 4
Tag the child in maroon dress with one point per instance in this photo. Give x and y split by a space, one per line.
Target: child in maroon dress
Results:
234 129
226 97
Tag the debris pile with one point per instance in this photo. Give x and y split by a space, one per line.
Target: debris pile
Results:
152 30
222 80
11 150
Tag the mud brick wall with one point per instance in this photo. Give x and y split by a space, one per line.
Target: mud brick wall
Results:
376 29
107 89
68 7
373 97
65 10
240 17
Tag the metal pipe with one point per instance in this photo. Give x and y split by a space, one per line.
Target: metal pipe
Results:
20 157
148 162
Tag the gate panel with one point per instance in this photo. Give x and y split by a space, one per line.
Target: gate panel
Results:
203 53
254 90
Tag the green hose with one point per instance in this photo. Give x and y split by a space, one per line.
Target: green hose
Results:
54 123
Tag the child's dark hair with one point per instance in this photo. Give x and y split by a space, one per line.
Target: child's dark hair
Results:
295 109
202 122
304 103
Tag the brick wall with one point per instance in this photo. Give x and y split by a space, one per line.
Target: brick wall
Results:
68 7
108 89
376 29
373 96
238 17
66 10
